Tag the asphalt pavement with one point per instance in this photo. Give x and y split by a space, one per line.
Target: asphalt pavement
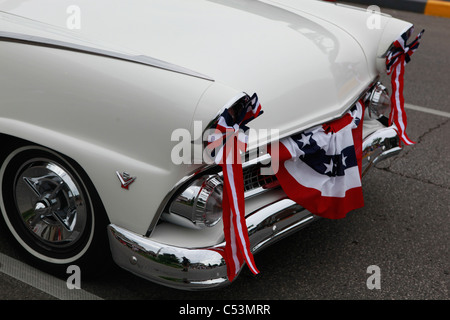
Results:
403 230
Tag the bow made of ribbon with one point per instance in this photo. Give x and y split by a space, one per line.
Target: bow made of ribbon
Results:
396 59
231 127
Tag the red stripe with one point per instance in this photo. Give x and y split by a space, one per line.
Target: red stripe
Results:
312 199
235 228
336 125
252 113
240 225
398 114
358 139
232 256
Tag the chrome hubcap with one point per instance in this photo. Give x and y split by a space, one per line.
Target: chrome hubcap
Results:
50 203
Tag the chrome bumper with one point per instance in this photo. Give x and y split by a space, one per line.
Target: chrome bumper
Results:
382 144
201 268
204 268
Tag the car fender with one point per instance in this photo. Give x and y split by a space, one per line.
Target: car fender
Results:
106 114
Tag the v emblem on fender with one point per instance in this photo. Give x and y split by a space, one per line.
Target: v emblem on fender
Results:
125 179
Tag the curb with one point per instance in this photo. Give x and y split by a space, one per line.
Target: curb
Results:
440 8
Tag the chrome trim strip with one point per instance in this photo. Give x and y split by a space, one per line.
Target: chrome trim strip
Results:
62 45
201 268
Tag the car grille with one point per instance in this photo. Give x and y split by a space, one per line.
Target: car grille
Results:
254 180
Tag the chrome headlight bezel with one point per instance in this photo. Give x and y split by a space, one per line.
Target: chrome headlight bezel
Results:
379 102
198 205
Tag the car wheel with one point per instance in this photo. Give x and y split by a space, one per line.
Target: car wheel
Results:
52 210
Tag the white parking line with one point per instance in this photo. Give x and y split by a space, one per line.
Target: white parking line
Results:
42 281
427 110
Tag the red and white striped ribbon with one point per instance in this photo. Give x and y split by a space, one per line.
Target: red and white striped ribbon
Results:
396 60
229 140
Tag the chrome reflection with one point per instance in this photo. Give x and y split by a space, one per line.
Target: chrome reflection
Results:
199 205
378 146
49 203
202 268
165 264
379 101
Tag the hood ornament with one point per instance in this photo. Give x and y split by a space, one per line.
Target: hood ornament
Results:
125 179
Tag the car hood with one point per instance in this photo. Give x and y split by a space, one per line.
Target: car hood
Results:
305 69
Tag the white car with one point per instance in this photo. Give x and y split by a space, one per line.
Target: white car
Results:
92 93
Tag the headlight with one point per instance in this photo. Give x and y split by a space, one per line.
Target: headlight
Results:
199 205
379 102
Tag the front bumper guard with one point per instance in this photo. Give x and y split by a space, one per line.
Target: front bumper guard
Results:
205 268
